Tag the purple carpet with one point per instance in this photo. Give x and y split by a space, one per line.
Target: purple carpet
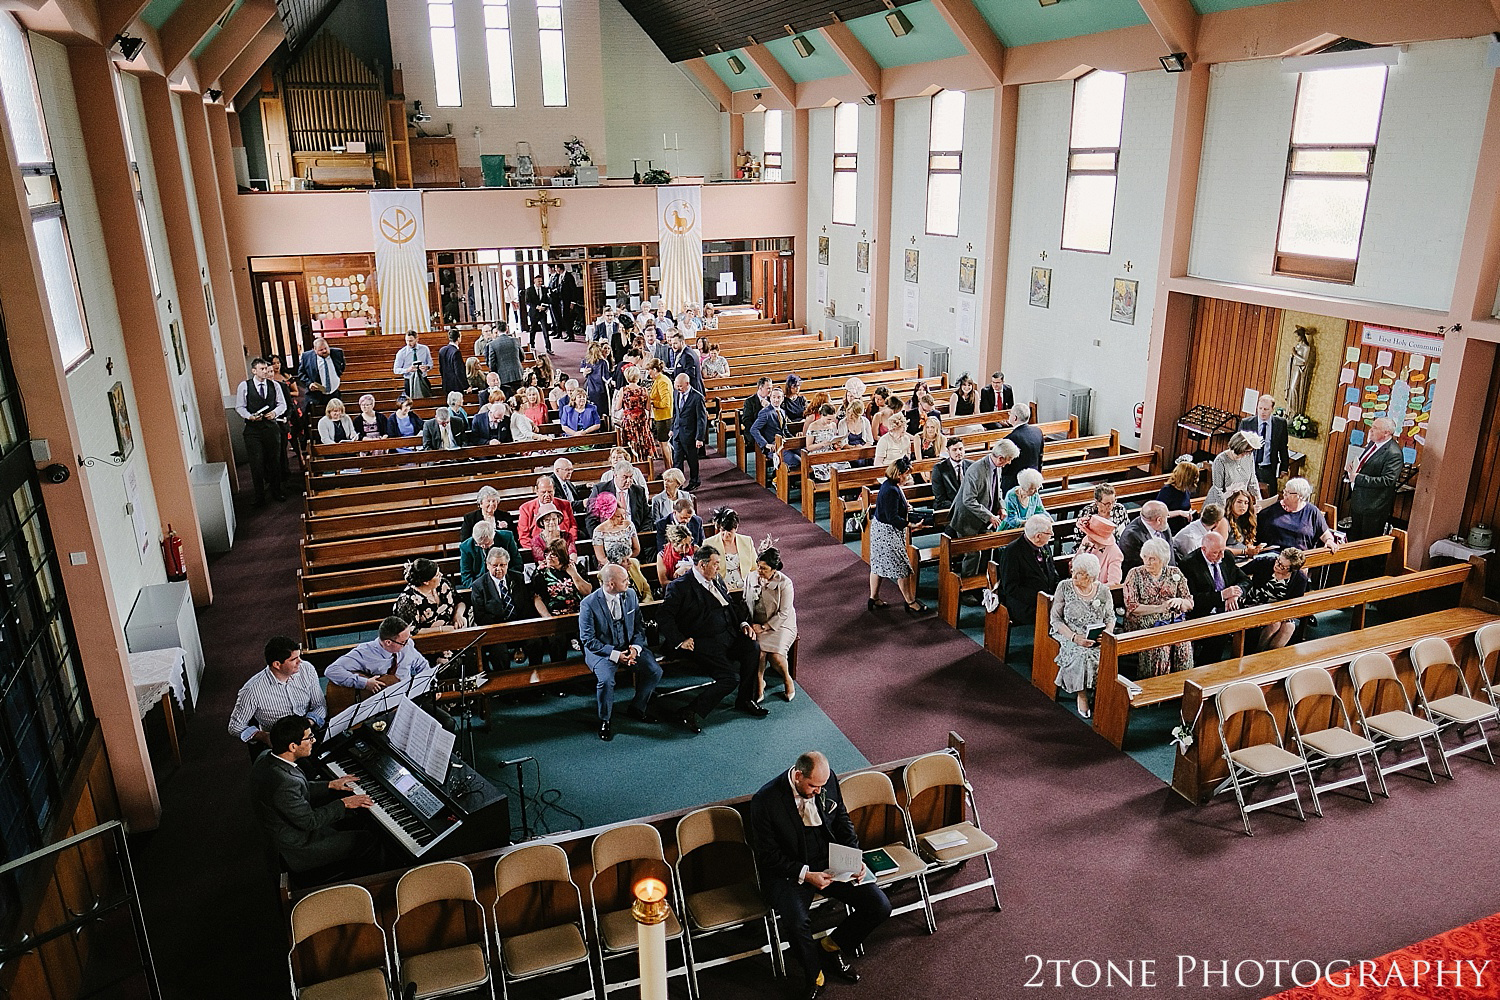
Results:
1098 861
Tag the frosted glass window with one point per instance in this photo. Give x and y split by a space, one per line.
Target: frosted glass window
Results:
61 283
22 108
845 163
554 61
444 54
945 157
1329 165
1093 162
771 169
498 50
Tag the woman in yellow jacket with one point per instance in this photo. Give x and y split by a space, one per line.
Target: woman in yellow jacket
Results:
661 408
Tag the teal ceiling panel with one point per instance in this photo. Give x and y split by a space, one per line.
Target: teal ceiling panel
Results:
930 37
1025 22
748 80
823 64
1215 6
198 51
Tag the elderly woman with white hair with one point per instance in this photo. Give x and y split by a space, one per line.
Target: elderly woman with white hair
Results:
1082 610
1233 467
474 552
672 483
1157 593
487 511
1291 521
1024 499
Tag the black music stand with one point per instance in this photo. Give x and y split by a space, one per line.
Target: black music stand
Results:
465 713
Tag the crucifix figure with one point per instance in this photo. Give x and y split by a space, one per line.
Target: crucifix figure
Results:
545 202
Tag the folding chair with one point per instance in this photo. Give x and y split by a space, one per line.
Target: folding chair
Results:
870 799
1253 750
617 852
1487 642
538 916
1324 735
1385 714
936 790
717 879
1443 692
442 940
338 950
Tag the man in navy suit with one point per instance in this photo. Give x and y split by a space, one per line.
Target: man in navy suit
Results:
319 373
689 428
1027 437
793 819
1274 457
609 625
684 361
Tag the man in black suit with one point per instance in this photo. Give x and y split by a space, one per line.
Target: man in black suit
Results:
1152 523
948 473
539 312
318 373
689 428
1273 458
635 497
1027 437
451 364
1026 569
1217 584
683 513
1372 480
684 362
757 402
563 487
794 818
996 397
297 816
710 625
497 596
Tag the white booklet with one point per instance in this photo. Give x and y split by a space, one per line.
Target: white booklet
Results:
844 863
945 839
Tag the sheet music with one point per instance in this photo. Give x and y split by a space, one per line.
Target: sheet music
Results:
413 687
422 738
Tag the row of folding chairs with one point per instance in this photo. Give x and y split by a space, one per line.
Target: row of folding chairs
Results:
442 940
1324 735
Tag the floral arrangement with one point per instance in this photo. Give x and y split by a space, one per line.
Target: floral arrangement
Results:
1299 426
656 176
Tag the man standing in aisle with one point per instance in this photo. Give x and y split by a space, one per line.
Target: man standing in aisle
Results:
689 428
1372 480
1273 458
538 312
319 373
261 402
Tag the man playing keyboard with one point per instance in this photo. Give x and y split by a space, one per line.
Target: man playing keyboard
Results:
298 816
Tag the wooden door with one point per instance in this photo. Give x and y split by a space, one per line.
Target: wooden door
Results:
773 286
281 308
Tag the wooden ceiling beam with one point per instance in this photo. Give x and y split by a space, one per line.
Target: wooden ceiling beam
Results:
716 88
115 16
1177 23
250 61
238 32
857 57
976 34
776 75
189 25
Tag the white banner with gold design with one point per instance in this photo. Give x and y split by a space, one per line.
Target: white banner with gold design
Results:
400 260
679 216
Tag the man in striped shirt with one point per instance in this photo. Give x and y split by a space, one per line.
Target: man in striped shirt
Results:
287 686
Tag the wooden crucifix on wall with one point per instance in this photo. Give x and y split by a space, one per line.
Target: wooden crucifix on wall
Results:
544 202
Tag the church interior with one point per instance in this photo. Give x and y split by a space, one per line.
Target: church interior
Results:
1236 260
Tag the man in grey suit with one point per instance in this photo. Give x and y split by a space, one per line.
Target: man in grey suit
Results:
1372 480
442 433
609 626
296 815
976 509
1152 523
502 355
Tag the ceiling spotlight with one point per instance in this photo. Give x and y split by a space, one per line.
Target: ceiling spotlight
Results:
129 46
800 43
214 95
736 65
1047 3
1175 63
900 23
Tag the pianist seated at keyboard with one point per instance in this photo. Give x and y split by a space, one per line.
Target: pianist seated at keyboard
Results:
299 816
368 666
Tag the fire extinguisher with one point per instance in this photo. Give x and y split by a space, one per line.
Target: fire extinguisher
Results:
171 553
1140 417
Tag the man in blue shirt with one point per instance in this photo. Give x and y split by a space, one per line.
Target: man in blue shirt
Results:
365 666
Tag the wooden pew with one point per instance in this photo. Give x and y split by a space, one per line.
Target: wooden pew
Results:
361 456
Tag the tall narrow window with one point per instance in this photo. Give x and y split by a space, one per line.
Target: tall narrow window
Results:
945 160
23 110
549 18
771 169
497 47
444 53
135 184
845 162
1093 161
1328 172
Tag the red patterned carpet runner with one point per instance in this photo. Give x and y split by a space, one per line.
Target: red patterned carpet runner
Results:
1461 964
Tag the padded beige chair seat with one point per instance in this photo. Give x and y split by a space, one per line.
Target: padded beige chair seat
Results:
367 985
1400 725
447 970
1462 709
978 843
1266 758
730 904
1337 742
907 863
540 951
619 933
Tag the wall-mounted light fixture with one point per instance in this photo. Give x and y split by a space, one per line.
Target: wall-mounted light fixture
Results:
213 94
129 46
736 65
1176 62
899 22
800 43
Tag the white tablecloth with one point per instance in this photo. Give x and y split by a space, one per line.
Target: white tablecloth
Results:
157 671
1454 550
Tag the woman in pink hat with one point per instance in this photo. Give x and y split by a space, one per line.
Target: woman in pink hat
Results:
1097 536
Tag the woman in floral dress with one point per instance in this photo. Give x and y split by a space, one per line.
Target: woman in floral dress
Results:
1155 594
635 419
428 603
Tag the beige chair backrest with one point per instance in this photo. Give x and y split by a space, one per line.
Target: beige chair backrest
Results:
432 882
626 843
1241 696
931 771
1309 682
536 863
709 825
332 907
1431 651
867 788
1372 666
1487 642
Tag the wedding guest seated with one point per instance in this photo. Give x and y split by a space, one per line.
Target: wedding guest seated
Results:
1292 521
558 588
498 596
1239 517
403 423
715 365
492 423
616 540
626 486
368 424
1217 585
531 511
1177 494
456 409
473 551
528 416
428 601
734 546
578 415
1096 536
441 433
1081 608
930 437
474 375
1157 593
1105 505
672 483
335 425
1276 578
1152 523
682 513
1190 536
1027 569
793 403
1024 500
675 557
549 529
487 508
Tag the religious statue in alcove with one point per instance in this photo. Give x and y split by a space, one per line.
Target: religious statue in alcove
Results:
1299 371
